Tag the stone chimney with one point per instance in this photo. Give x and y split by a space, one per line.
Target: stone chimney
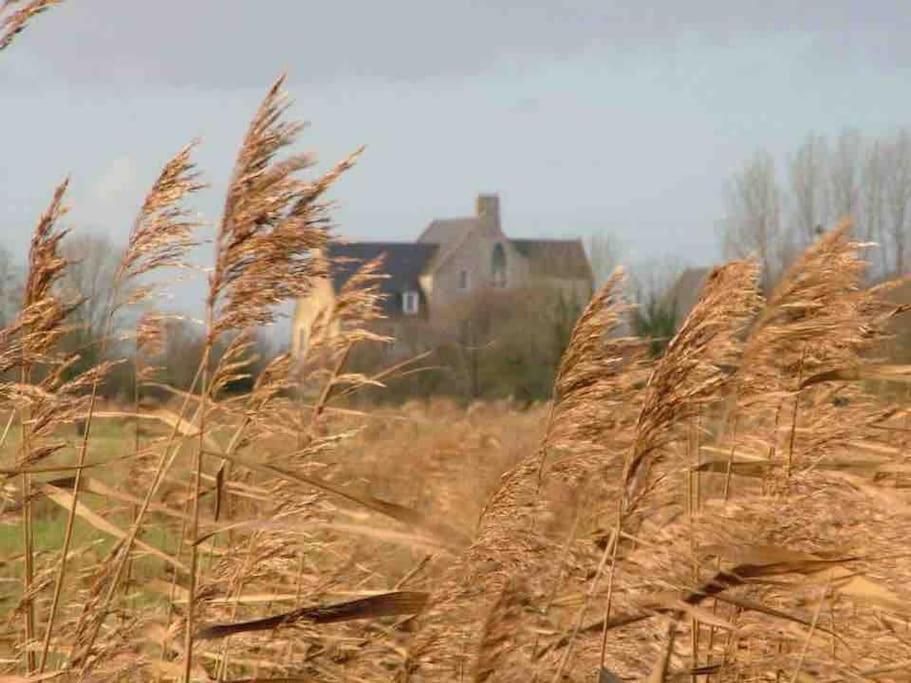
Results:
488 208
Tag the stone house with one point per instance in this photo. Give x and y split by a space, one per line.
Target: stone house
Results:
685 291
452 261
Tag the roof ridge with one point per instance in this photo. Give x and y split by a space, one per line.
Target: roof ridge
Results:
454 218
545 239
347 242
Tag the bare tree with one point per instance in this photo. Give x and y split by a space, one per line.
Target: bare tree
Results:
845 173
867 179
871 215
89 278
603 254
88 281
752 222
10 287
181 352
809 188
897 191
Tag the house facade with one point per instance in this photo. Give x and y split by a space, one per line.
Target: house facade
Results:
453 261
684 293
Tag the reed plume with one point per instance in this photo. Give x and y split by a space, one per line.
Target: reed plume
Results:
271 224
29 345
160 238
509 542
16 20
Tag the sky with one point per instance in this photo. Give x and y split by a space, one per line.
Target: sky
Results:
584 115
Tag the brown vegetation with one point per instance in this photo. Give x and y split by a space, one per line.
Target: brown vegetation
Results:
735 509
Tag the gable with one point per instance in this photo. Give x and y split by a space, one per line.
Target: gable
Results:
447 231
454 232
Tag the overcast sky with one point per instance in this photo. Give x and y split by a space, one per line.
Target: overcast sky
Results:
584 115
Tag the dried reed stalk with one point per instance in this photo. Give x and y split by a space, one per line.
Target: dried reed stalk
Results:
160 237
16 20
271 224
29 342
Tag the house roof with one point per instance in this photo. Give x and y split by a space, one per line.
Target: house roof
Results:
445 231
449 234
555 258
403 263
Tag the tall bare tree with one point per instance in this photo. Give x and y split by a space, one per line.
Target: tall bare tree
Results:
897 188
845 168
752 221
809 188
89 280
864 178
871 215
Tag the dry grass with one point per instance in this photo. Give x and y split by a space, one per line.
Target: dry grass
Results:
735 510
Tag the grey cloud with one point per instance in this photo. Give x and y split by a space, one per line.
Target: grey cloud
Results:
235 43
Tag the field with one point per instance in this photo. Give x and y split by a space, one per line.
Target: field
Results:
282 547
439 459
430 541
732 505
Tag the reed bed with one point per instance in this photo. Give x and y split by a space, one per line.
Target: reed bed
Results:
734 510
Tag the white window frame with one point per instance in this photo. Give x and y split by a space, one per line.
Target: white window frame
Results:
464 280
411 302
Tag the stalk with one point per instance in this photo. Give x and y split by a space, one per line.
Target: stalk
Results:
197 478
27 538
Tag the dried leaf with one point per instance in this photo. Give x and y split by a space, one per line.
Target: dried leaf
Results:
882 373
396 603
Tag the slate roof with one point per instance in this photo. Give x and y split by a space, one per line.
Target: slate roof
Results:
555 258
403 262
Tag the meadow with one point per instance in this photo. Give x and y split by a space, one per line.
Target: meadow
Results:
437 458
735 508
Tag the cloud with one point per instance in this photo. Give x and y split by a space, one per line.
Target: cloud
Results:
233 44
117 180
110 199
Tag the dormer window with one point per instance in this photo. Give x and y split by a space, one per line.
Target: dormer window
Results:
410 303
464 283
498 266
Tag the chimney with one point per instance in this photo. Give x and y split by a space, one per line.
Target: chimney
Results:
488 207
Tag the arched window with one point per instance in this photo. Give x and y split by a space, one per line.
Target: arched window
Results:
498 266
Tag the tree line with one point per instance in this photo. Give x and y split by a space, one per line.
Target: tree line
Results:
511 347
773 212
86 285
